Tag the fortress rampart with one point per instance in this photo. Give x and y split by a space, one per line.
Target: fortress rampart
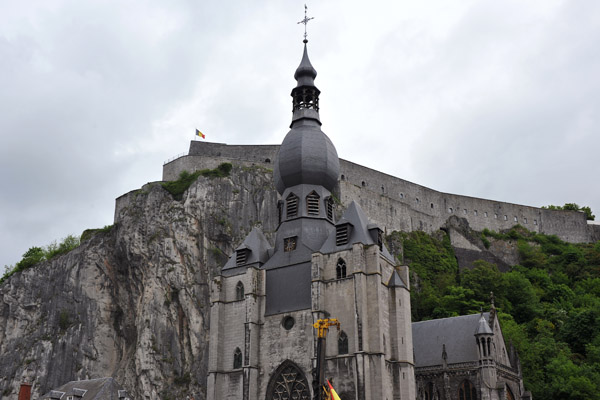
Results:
397 204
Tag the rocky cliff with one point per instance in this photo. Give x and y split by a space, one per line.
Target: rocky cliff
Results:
132 302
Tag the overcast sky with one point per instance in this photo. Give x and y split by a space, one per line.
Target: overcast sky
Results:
493 99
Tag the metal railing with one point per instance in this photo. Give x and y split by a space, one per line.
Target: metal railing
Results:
175 158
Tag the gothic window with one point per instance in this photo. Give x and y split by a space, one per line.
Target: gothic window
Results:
312 204
291 206
467 391
450 210
429 392
509 394
475 212
343 343
342 234
289 244
329 208
239 291
241 256
340 269
237 358
288 382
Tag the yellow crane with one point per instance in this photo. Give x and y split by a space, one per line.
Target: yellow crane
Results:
322 326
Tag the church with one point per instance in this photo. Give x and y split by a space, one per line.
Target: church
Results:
269 296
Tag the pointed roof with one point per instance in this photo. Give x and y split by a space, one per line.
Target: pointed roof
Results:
483 327
305 73
355 216
396 281
258 247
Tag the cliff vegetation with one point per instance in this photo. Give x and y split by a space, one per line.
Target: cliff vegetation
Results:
548 304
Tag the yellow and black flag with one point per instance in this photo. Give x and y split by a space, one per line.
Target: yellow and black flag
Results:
198 133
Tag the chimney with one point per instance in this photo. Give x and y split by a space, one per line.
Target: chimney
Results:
25 391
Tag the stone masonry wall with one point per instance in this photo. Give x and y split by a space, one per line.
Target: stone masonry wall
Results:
397 204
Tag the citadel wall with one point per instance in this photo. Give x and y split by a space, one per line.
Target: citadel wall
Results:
397 204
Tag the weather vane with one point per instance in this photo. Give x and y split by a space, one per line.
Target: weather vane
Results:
305 22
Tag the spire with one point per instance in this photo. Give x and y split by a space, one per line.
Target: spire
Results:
305 95
305 73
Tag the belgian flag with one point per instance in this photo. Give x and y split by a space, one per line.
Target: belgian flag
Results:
332 393
198 133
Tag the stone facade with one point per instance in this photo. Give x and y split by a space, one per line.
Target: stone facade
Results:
266 300
466 358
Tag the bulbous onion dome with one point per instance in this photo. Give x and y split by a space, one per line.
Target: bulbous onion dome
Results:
307 155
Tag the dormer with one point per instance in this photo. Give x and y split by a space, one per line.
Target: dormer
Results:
253 252
291 206
241 255
376 234
313 204
343 231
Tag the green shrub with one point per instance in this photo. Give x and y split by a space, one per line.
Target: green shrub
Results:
88 233
178 187
574 207
36 255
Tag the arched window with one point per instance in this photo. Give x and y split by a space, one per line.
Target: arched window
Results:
288 382
237 358
467 391
429 391
509 394
312 204
343 343
340 269
239 291
291 206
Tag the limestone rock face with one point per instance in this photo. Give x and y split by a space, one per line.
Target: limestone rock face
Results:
133 302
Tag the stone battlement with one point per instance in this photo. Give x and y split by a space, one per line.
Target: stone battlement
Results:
397 204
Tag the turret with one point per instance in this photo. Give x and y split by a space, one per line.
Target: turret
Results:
484 337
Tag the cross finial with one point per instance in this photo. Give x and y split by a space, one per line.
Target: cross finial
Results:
305 22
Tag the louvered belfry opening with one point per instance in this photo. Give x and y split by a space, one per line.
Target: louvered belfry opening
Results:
329 208
312 204
291 206
306 97
241 256
342 233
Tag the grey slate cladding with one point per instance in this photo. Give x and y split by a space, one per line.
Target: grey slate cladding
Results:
361 232
457 333
255 249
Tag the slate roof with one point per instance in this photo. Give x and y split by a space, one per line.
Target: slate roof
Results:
457 333
259 249
483 327
91 389
396 281
355 216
